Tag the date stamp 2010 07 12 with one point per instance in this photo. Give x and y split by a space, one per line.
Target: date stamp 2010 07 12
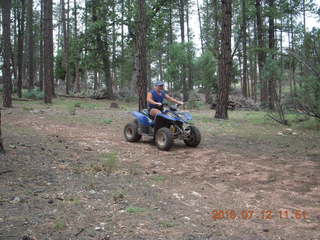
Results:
264 214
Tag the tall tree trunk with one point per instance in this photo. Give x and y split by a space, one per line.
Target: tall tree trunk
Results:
190 70
141 48
114 51
21 19
225 61
200 27
30 45
14 49
85 72
7 81
48 51
244 48
281 62
41 70
304 17
271 80
65 45
253 63
170 35
95 80
183 73
293 62
122 29
160 66
261 54
216 37
77 53
103 53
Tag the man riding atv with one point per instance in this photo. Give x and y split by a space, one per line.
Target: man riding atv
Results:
155 99
164 125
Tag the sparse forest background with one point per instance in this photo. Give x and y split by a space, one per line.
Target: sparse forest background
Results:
116 49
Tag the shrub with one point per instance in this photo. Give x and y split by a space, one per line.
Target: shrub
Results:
34 94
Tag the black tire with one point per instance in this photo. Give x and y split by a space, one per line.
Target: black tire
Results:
131 132
164 139
194 138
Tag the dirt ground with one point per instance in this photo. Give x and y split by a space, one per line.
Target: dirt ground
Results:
69 174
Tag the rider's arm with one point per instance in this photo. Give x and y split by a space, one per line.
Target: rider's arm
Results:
150 100
171 99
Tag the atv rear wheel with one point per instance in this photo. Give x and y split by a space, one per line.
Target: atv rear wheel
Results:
164 139
193 137
131 132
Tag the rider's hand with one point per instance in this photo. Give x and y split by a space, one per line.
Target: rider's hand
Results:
159 104
180 103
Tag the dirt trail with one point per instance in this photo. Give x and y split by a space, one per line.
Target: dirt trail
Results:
56 192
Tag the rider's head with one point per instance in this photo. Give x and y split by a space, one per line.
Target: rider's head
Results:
159 85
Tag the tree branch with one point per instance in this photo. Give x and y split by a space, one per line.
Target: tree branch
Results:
300 59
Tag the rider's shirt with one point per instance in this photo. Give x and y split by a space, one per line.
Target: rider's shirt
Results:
157 98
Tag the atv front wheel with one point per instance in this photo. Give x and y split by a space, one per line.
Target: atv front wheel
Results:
131 132
193 136
164 139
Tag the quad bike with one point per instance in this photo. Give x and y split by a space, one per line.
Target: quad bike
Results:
168 125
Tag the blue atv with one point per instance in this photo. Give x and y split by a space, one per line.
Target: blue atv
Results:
167 126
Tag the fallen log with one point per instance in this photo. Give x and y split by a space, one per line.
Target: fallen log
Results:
22 99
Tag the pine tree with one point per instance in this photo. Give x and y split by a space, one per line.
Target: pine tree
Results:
48 51
7 81
225 61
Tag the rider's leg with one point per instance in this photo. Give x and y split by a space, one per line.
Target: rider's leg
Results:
154 112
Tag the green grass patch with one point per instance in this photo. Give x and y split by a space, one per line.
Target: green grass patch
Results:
65 103
133 210
311 124
74 200
167 224
158 178
71 109
27 108
109 163
107 121
59 225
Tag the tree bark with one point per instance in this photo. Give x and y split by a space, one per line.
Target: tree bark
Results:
65 45
190 70
271 80
103 53
225 61
261 53
141 47
244 49
216 29
200 27
7 81
77 53
182 32
21 19
114 51
41 73
293 61
30 45
48 51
